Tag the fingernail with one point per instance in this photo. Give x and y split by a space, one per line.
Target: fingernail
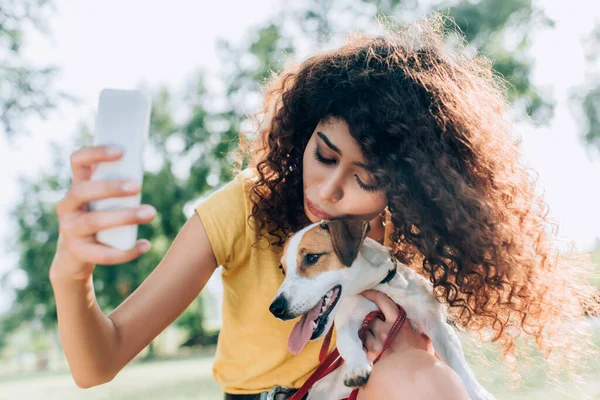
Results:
144 246
146 212
114 150
130 186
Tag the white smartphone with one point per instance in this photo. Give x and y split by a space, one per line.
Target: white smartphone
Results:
123 120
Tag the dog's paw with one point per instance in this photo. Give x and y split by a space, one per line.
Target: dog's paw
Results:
358 375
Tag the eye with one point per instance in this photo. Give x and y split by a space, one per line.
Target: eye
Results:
311 258
320 158
364 186
282 270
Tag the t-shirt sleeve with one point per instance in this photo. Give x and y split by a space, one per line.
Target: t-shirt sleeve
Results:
224 214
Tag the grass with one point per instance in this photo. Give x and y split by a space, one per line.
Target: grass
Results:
177 380
191 378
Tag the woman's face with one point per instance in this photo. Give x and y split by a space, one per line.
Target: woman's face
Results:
336 182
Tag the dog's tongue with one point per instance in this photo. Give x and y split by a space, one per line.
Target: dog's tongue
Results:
303 330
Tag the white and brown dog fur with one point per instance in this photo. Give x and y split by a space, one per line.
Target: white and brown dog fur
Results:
330 263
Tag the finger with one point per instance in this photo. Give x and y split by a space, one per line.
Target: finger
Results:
380 329
81 193
89 223
83 160
98 253
386 305
373 346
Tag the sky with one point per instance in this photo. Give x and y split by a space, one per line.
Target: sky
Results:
118 44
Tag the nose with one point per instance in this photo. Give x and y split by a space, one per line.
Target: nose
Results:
279 307
331 189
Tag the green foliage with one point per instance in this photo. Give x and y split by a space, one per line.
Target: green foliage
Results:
35 240
591 109
37 224
501 30
26 90
587 98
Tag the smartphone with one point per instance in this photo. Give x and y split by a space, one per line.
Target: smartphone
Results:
123 120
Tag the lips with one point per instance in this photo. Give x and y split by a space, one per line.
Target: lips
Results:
316 211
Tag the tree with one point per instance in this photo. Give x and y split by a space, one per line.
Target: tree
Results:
37 224
25 89
587 98
502 31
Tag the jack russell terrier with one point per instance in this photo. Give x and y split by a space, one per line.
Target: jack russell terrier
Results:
327 265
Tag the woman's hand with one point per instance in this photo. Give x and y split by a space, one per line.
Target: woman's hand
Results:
78 251
407 337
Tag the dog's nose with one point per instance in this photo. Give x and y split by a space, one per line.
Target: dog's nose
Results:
279 306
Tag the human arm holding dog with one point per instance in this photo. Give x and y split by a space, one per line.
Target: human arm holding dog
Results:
408 367
96 346
407 337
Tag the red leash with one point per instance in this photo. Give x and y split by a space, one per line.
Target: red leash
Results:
333 361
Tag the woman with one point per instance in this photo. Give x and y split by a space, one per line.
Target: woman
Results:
401 130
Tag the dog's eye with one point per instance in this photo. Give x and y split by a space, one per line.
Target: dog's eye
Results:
282 270
311 259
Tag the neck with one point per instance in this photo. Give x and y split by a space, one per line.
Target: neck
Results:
377 230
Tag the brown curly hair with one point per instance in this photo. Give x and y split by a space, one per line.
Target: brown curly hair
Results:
431 121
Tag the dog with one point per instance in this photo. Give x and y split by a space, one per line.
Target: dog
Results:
327 265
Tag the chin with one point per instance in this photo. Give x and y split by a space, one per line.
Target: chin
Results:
312 219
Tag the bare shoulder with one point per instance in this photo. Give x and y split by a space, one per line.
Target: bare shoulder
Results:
413 374
166 292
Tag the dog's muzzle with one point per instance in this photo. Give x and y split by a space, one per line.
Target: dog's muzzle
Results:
279 308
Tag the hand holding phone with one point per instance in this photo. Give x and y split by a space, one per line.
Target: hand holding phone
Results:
123 120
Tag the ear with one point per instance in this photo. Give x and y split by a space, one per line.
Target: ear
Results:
347 236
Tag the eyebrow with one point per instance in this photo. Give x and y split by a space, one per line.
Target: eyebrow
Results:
337 150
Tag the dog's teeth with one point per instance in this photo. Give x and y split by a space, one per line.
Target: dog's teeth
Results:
314 324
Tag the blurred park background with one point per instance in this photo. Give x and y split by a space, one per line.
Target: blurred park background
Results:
203 64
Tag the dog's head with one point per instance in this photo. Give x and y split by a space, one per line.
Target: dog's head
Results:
317 262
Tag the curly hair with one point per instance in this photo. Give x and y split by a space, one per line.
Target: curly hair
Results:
431 121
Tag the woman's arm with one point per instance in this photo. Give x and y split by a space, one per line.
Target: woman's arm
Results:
412 374
97 347
408 369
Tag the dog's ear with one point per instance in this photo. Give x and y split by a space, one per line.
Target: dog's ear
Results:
347 236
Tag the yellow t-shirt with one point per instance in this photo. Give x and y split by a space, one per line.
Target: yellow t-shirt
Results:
252 352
